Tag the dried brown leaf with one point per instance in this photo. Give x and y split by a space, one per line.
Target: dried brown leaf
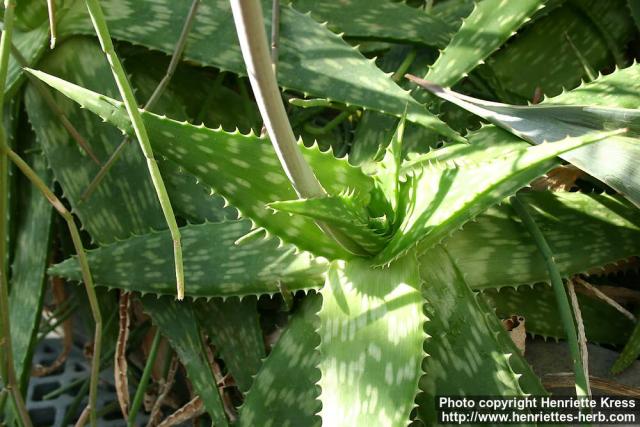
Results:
515 326
191 410
120 356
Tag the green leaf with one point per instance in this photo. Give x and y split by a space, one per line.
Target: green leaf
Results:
191 199
542 57
388 173
538 306
547 122
371 342
233 327
32 45
443 202
30 14
326 68
285 391
31 251
630 352
584 231
242 168
490 24
468 352
125 201
177 322
344 213
453 11
213 264
379 20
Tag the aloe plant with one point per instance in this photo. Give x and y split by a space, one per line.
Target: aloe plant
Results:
345 264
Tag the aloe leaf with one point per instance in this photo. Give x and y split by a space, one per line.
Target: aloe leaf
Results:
340 72
371 334
468 354
453 11
214 265
489 25
233 327
242 168
31 250
277 397
585 232
340 211
486 143
630 352
178 323
374 130
538 306
543 57
442 201
539 123
367 19
388 174
191 199
125 201
32 44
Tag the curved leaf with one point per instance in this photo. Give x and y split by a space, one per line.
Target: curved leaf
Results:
613 162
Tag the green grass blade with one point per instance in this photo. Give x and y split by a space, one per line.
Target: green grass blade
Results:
538 306
277 397
131 105
233 326
242 168
562 301
585 232
490 24
214 265
443 202
330 68
467 353
178 323
371 342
